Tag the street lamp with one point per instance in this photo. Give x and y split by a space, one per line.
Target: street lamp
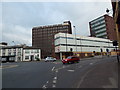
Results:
109 11
75 38
66 40
81 44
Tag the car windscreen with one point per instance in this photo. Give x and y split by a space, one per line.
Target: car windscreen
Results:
69 57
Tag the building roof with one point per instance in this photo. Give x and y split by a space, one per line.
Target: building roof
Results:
19 46
64 23
30 47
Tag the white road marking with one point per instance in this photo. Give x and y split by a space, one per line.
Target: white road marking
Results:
83 77
79 66
54 81
47 82
53 86
53 68
61 68
44 86
91 63
56 71
71 70
55 78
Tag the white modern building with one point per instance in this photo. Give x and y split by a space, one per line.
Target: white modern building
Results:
20 53
80 45
30 53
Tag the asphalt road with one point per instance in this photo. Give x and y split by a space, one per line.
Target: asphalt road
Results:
88 73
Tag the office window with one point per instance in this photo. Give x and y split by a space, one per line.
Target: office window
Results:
26 57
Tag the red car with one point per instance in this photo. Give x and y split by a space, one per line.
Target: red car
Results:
71 59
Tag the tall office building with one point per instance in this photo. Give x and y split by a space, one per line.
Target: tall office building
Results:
43 37
103 27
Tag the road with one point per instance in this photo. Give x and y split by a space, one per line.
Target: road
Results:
88 73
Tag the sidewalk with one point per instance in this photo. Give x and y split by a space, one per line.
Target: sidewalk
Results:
104 75
97 57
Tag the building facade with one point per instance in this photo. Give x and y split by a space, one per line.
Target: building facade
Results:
19 53
43 37
103 27
80 45
116 15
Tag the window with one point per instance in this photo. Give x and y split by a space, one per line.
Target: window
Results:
26 57
9 53
19 53
27 51
14 53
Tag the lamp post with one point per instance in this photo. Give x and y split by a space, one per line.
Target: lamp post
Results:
66 44
109 11
81 44
75 38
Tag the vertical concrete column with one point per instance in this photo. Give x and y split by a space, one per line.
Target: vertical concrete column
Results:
60 55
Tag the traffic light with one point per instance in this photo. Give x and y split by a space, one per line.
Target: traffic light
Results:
115 43
71 49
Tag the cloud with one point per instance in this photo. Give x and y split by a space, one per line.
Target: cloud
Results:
20 17
56 0
17 33
78 13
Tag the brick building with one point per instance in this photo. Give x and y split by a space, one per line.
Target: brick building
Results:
103 27
43 37
116 15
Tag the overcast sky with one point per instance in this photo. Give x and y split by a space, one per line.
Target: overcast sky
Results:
18 18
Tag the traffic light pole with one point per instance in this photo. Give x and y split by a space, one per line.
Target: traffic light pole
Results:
117 55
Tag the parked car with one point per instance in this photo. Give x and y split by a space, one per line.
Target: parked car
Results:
50 59
3 60
71 59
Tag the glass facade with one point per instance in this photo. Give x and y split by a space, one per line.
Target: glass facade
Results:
98 27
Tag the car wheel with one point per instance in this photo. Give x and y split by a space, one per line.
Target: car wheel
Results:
63 63
77 61
68 62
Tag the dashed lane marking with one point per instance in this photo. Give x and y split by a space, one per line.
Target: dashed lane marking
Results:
55 78
83 77
56 71
53 68
91 63
79 66
62 67
53 85
54 81
44 86
71 70
47 82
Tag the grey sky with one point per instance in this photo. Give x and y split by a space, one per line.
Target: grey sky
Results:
18 18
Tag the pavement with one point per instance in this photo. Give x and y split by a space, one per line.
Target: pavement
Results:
101 75
107 72
96 72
